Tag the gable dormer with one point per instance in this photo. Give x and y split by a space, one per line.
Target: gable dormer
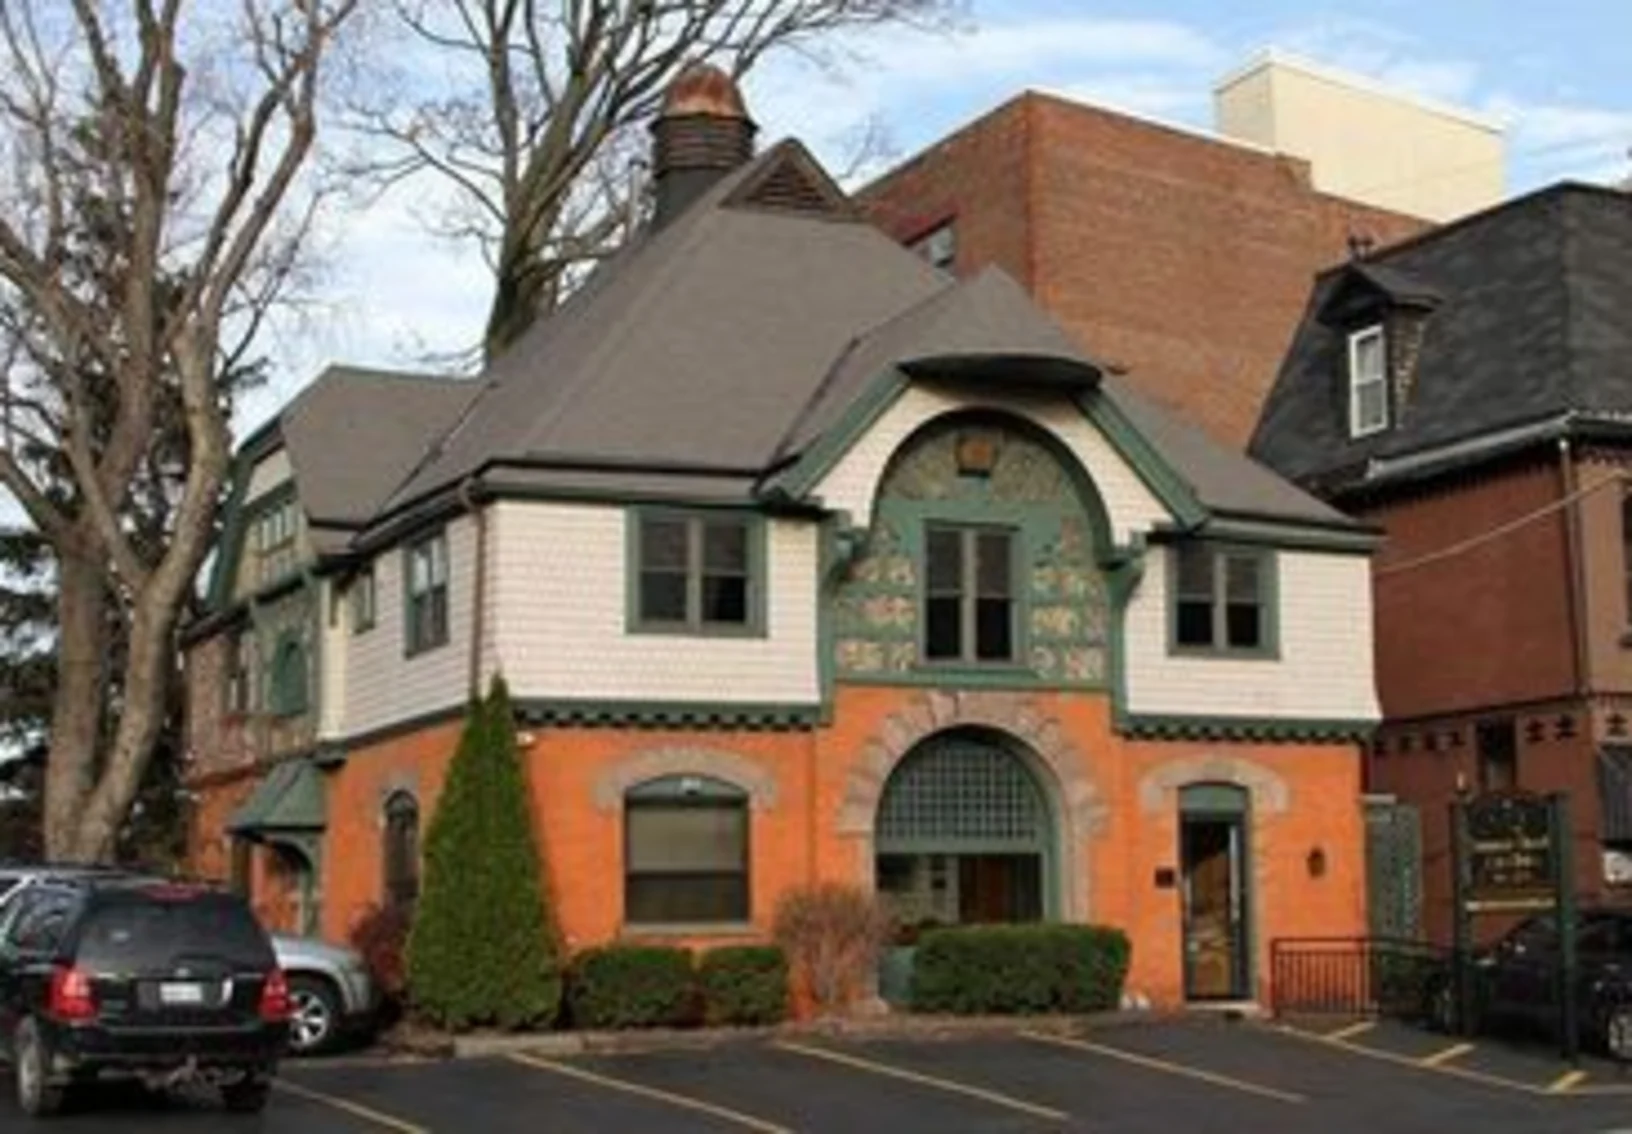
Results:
1382 314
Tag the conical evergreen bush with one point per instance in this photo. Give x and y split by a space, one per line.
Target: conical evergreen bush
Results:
484 950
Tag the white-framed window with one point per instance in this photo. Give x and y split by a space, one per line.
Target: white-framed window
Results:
939 246
1368 381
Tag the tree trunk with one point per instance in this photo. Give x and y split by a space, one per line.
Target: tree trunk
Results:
82 648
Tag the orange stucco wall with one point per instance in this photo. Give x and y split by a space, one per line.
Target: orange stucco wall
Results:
1304 797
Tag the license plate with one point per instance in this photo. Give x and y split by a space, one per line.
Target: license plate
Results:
181 992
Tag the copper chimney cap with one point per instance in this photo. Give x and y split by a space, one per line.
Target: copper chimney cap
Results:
704 89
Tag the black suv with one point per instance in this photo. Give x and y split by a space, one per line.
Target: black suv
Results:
163 981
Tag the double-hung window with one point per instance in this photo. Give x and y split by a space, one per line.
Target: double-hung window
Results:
696 574
970 611
273 535
1368 381
364 601
685 852
1223 600
241 673
427 599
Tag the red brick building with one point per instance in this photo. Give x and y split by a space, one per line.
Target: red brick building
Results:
1184 259
1467 393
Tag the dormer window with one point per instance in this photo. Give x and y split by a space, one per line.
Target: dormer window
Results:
1368 381
939 246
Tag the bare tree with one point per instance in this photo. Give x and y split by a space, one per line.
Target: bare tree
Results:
531 103
154 199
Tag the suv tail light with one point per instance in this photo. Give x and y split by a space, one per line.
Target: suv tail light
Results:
275 997
70 996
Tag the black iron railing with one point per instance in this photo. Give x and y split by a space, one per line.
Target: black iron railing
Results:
1356 976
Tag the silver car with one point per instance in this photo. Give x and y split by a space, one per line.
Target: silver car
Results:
331 993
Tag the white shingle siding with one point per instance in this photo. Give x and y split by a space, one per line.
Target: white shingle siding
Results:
560 581
851 483
333 636
382 686
269 472
1325 666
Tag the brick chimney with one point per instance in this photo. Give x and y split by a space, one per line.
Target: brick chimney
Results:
702 133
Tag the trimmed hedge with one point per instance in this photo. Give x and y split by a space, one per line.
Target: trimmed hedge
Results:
1020 969
744 985
632 986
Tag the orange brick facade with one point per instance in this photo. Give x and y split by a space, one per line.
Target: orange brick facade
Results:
812 791
1183 258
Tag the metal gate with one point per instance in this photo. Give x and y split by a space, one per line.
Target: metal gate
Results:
1393 869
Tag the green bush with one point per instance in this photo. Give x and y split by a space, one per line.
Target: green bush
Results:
1021 969
484 948
633 986
744 984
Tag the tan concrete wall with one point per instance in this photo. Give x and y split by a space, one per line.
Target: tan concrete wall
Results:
1364 141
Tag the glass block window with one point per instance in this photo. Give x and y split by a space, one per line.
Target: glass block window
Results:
962 792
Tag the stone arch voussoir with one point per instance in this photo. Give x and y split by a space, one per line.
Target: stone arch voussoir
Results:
685 760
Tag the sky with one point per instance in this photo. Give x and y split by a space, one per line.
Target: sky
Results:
1554 74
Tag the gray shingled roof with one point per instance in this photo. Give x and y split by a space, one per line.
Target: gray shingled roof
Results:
354 434
707 354
1532 323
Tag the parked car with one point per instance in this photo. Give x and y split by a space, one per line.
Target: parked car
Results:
332 995
168 983
1514 982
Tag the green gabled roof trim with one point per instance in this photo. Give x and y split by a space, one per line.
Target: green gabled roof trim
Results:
669 714
800 478
230 549
1163 726
290 798
1176 494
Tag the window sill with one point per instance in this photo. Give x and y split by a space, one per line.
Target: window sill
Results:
692 929
1266 654
686 630
412 652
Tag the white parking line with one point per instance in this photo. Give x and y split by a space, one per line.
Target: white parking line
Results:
685 1102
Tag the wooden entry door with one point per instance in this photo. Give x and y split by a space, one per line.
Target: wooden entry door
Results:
1214 926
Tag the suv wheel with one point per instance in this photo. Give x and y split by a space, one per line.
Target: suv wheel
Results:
247 1095
1618 1032
314 1015
36 1094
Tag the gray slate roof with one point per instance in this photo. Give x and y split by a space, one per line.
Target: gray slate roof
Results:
708 354
1533 321
354 434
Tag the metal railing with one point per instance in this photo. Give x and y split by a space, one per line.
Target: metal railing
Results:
1355 976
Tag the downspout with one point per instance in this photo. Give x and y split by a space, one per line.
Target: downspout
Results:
1575 576
478 598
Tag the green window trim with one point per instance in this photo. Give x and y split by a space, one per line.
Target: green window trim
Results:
1221 555
696 522
426 609
288 690
969 595
706 885
363 598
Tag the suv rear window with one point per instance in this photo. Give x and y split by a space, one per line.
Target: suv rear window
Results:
142 930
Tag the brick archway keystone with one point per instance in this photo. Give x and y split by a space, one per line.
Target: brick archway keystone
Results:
1080 811
656 763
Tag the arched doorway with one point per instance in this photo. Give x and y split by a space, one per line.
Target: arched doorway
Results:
965 834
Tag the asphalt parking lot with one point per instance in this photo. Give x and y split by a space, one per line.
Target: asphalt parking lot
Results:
1136 1077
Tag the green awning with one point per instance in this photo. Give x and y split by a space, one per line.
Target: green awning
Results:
289 801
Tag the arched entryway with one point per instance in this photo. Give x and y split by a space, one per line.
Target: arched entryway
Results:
965 833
